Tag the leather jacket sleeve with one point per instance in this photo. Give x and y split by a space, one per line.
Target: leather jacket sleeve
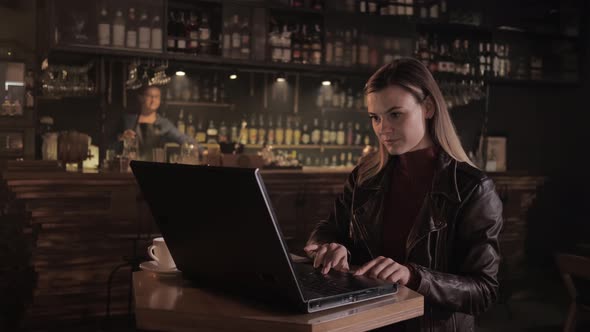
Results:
474 287
335 228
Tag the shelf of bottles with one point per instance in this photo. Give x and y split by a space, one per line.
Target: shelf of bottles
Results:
317 32
110 24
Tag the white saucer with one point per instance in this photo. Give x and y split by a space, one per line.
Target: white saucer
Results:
152 266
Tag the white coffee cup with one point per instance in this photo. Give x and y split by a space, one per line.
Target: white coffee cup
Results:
159 252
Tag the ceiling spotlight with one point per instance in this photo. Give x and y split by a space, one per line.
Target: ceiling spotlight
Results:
180 73
233 77
326 83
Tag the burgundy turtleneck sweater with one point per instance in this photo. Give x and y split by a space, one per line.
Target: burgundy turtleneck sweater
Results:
411 179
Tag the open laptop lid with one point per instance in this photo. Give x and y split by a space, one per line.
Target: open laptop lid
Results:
217 225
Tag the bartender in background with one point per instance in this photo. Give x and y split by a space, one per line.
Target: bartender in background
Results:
149 128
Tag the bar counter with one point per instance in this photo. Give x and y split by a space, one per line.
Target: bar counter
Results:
73 229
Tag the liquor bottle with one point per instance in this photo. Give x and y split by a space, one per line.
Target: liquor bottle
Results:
296 45
305 135
156 34
280 131
362 7
409 8
196 95
223 133
495 62
215 89
285 45
261 130
131 37
340 135
306 47
236 40
367 135
316 133
234 138
349 134
482 60
192 31
244 132
325 133
316 46
347 49
181 34
342 160
270 132
226 39
206 91
205 35
171 38
349 160
245 40
297 133
275 43
333 133
119 29
288 133
354 48
253 130
201 135
104 28
358 135
338 49
372 7
329 50
212 133
180 125
221 92
190 128
363 50
488 54
144 31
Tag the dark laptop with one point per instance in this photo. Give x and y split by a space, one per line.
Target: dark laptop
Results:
223 233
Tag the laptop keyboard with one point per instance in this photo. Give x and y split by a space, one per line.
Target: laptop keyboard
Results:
333 283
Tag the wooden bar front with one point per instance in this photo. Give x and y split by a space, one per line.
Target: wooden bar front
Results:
170 304
73 229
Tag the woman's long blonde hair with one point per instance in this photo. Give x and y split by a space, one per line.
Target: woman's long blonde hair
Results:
413 76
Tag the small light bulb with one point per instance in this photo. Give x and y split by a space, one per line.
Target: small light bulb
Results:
180 73
326 83
233 76
280 79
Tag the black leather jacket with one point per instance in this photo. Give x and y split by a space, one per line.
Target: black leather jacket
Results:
452 249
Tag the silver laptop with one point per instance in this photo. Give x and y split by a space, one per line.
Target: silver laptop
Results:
223 233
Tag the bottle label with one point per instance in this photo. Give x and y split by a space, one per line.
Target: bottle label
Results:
157 39
144 37
132 38
104 34
118 35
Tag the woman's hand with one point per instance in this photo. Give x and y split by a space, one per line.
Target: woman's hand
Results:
387 269
329 256
127 134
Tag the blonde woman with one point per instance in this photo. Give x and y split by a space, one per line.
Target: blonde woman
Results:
416 212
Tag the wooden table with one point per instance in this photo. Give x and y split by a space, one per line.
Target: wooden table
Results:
170 304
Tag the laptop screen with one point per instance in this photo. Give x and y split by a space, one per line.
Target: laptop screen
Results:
220 228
